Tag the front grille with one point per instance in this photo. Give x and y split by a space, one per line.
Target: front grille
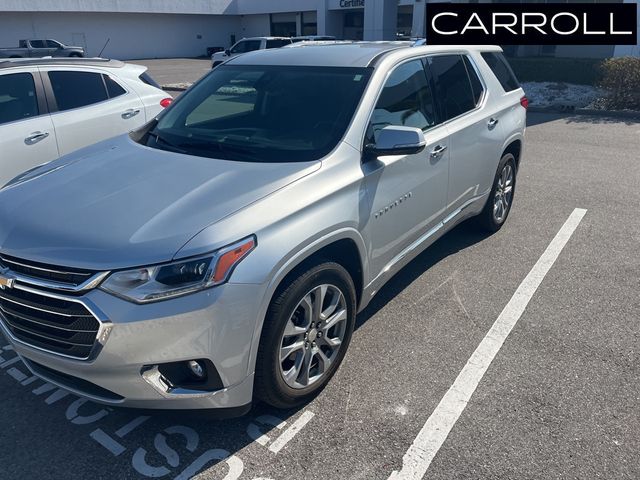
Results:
54 324
71 276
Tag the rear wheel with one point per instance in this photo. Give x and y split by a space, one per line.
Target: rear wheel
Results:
74 54
306 334
500 199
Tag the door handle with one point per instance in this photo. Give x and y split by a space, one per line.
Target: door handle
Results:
35 137
130 113
438 150
492 123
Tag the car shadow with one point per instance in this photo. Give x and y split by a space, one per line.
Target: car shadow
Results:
462 236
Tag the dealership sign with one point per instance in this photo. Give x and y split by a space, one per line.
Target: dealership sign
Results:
532 24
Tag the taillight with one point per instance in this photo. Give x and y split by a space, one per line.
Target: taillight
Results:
524 101
165 102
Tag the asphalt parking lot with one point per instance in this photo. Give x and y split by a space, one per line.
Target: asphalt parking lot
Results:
561 398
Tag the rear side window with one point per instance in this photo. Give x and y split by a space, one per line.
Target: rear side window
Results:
113 88
406 100
146 78
277 43
17 97
476 84
77 89
502 70
452 84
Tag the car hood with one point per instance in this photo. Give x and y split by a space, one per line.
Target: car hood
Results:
120 204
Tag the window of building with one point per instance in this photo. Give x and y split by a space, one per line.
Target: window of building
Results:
77 89
453 84
502 70
406 100
309 23
283 24
18 98
405 22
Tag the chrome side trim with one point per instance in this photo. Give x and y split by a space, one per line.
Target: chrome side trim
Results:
415 246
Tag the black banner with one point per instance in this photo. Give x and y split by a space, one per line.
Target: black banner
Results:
532 23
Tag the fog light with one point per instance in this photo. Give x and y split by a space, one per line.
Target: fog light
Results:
196 368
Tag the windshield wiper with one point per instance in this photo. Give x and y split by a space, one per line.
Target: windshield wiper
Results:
223 147
167 145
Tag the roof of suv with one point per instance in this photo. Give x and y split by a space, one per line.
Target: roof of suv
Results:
336 53
93 62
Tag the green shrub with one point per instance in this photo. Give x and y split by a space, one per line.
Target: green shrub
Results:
582 71
621 79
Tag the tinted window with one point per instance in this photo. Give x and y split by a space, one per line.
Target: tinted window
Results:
146 78
38 44
77 89
246 46
277 43
453 85
263 113
52 44
502 70
405 100
113 88
476 84
17 97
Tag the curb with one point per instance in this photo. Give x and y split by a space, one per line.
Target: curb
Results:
173 88
586 111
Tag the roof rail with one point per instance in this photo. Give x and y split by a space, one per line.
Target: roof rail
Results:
95 62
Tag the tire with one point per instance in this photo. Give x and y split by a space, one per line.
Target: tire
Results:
77 55
488 220
304 372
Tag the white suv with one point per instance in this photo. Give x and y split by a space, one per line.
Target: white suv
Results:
249 45
51 107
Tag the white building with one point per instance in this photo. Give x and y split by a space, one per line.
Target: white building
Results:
186 28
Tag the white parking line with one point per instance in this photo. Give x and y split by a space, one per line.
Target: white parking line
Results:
290 432
435 431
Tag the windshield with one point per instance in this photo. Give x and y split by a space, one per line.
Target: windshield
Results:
262 113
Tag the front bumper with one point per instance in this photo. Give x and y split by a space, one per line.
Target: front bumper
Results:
216 324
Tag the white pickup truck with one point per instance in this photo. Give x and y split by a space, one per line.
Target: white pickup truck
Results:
41 48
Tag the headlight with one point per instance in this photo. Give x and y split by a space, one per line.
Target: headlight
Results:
159 282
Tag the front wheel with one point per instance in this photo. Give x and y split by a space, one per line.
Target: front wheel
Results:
306 333
500 199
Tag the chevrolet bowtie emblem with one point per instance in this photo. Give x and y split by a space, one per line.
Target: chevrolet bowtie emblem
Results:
6 282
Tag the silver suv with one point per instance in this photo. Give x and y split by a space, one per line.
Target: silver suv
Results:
221 252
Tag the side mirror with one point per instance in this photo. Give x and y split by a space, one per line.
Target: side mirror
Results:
396 140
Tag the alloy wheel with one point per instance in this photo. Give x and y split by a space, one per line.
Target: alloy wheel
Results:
313 336
504 194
